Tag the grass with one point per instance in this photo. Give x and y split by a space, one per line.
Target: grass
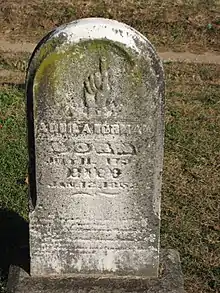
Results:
13 151
179 25
191 177
13 169
17 61
191 181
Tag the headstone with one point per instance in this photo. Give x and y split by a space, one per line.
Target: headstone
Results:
95 95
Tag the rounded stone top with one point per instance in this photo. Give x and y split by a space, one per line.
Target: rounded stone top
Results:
102 28
93 47
97 29
88 29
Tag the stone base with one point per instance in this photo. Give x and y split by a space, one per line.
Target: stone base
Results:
170 281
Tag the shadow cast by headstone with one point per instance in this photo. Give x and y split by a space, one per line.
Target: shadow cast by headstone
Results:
14 244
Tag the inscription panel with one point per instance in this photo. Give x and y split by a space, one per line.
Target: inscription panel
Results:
98 158
90 167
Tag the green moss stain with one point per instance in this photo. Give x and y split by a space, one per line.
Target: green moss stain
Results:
79 50
136 76
48 48
47 76
52 61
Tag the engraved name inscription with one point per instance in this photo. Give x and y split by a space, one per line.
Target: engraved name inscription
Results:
58 127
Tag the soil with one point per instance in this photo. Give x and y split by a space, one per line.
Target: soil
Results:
14 58
189 25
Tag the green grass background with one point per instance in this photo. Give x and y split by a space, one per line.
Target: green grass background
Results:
191 177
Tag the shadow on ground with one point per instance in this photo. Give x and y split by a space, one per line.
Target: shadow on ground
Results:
14 244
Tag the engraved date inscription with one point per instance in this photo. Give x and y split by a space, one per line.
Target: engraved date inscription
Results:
90 158
92 168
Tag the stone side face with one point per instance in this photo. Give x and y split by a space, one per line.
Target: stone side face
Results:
95 99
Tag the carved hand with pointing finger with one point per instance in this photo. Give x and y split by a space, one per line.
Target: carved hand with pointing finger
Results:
97 89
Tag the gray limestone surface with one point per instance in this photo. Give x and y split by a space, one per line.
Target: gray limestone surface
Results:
95 94
170 280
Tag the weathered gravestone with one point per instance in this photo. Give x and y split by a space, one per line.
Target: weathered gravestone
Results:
95 95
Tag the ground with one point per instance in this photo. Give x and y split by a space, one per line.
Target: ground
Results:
191 176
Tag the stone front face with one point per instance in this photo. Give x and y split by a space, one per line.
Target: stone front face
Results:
98 137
